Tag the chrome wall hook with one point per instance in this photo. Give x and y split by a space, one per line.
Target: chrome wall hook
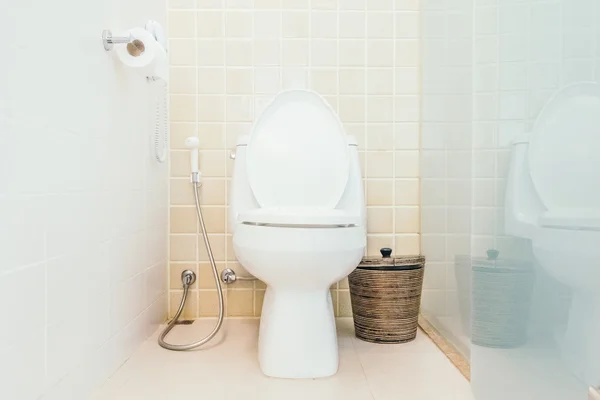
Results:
109 41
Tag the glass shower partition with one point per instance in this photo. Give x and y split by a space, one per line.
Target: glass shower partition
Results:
489 67
446 167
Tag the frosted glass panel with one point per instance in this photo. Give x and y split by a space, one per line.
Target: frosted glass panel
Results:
514 288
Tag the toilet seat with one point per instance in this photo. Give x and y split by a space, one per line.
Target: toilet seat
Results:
588 220
567 134
297 216
297 154
553 199
308 217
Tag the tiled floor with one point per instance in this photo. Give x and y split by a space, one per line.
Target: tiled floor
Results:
228 369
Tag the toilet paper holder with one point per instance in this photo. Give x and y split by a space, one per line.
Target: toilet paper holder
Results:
109 41
154 27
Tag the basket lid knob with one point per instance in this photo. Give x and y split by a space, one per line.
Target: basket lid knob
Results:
493 254
386 252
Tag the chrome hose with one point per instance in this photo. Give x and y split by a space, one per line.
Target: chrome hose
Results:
186 285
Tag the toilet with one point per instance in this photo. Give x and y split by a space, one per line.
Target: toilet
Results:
298 218
553 199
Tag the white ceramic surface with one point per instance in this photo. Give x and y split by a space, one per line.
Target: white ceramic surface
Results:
564 149
298 153
307 243
552 198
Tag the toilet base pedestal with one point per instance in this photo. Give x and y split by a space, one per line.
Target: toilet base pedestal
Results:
580 346
297 337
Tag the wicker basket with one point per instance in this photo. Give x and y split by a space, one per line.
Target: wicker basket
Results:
386 297
497 315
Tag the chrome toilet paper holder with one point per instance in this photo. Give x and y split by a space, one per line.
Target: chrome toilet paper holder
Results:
109 41
154 27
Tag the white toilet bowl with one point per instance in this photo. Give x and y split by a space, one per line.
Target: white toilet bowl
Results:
553 199
297 214
297 332
573 258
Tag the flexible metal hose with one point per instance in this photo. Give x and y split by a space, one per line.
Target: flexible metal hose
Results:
186 286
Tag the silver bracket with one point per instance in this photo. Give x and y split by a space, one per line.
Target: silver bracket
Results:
228 276
188 277
109 41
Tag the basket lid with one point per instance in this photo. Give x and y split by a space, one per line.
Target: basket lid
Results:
492 263
387 260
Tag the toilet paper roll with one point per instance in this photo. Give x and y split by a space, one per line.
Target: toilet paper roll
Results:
144 54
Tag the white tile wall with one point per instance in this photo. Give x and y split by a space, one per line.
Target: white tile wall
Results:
362 56
83 204
446 168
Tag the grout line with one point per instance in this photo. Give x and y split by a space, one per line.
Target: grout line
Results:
394 126
197 133
339 66
225 118
169 94
255 117
596 71
496 122
421 46
281 68
445 180
225 177
366 112
310 41
362 368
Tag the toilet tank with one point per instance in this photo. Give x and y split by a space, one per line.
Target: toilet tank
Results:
353 199
522 206
241 198
240 194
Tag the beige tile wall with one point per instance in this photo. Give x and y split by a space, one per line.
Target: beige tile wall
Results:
230 57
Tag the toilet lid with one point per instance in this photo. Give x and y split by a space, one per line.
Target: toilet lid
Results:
298 153
564 149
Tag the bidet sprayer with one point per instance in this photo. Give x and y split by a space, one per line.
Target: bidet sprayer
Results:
193 143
